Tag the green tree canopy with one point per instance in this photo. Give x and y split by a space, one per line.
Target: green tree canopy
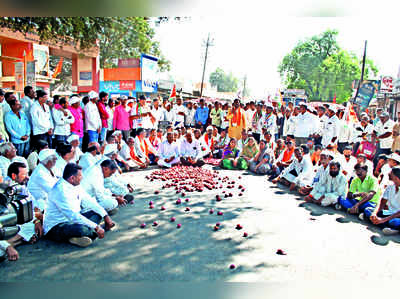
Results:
320 67
223 81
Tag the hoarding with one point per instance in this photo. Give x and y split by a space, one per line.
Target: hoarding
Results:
19 76
149 73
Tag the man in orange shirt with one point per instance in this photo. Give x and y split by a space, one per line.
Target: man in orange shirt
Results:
284 160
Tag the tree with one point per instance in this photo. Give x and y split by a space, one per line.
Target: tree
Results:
224 82
128 37
119 37
320 67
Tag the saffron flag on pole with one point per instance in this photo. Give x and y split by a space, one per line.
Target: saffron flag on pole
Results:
172 96
334 98
58 68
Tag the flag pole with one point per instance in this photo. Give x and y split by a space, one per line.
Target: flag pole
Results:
362 71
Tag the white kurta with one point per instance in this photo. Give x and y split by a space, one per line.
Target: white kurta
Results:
304 169
166 151
331 188
93 183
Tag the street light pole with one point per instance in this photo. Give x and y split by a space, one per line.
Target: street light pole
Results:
208 44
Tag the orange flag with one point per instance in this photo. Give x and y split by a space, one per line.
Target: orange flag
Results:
172 96
58 67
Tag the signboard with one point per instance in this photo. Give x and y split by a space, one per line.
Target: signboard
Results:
127 85
31 74
149 75
85 72
366 93
387 83
19 76
129 63
41 55
85 76
109 86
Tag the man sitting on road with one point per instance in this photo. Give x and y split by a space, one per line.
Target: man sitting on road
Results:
93 184
63 218
363 193
332 187
387 213
190 152
168 152
325 158
299 173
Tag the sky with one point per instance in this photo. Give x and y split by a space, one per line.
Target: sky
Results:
253 46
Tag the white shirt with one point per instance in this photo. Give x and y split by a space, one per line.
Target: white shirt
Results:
42 120
62 123
269 123
249 117
5 163
77 155
189 117
64 205
393 199
190 149
40 183
359 130
330 130
143 122
167 150
110 119
158 115
179 118
224 123
304 170
169 116
345 131
93 183
348 166
87 160
92 117
305 125
382 129
321 121
58 169
289 125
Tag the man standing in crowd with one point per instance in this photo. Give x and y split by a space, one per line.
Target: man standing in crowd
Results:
201 115
189 116
27 102
237 120
121 118
305 125
157 112
383 131
101 105
92 117
77 113
42 120
19 128
63 120
141 116
179 111
216 116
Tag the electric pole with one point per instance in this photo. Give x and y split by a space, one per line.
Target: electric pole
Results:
208 44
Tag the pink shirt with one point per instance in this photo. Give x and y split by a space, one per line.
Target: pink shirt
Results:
121 118
77 126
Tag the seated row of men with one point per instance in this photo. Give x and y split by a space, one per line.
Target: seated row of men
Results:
371 198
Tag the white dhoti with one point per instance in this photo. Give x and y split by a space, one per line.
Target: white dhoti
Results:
161 162
27 231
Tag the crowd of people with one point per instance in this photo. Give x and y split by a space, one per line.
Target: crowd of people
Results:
68 155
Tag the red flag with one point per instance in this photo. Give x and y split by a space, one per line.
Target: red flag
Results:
334 98
172 96
58 67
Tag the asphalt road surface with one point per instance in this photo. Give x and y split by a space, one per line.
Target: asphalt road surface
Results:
320 243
